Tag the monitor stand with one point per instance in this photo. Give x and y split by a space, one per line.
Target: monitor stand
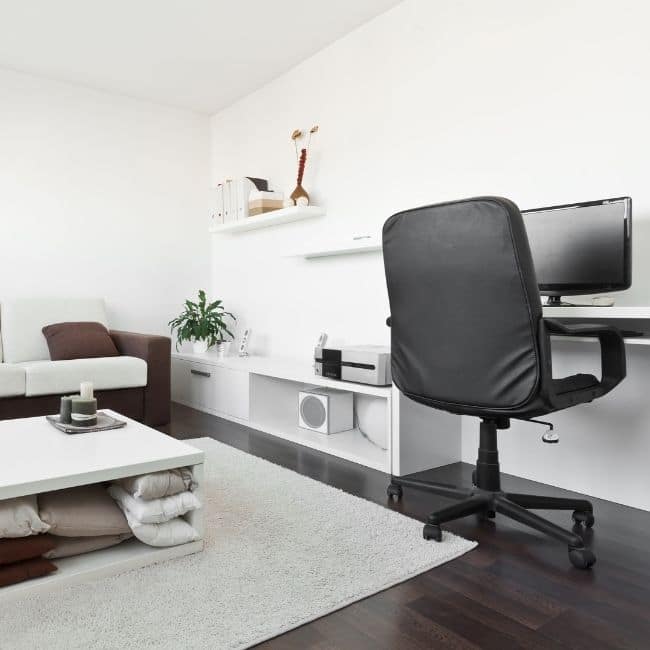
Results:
556 301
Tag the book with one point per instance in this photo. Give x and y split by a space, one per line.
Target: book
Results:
217 206
228 213
244 186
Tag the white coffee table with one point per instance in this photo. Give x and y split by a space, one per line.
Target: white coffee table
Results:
35 457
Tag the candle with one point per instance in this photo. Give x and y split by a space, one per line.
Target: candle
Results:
65 413
84 411
86 390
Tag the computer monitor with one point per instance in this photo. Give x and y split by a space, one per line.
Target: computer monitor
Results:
581 248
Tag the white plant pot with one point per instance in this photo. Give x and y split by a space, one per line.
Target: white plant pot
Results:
199 347
223 348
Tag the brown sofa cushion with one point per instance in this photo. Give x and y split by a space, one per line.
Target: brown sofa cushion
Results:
84 511
10 574
25 548
83 340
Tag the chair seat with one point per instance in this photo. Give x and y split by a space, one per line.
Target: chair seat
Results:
574 383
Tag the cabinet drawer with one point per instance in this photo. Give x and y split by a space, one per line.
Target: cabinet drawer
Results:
211 388
203 386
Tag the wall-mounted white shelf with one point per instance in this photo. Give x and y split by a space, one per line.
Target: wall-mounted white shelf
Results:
275 218
350 247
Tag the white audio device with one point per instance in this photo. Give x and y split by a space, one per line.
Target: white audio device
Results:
325 410
243 346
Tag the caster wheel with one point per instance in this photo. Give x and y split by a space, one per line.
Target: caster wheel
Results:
583 517
581 558
394 492
432 531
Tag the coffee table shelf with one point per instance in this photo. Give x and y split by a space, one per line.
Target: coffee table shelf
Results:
35 457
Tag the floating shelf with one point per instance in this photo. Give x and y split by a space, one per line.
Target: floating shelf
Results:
275 218
350 247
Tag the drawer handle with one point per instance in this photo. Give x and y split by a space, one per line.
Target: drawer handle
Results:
200 373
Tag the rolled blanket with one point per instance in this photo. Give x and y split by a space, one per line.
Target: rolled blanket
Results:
170 533
154 511
158 484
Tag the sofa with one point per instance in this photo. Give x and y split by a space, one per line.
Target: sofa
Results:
136 383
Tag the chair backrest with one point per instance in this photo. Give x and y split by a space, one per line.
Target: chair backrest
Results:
465 306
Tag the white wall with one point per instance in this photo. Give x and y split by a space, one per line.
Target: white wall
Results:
101 195
543 102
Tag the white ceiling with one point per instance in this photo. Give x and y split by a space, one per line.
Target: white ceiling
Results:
196 54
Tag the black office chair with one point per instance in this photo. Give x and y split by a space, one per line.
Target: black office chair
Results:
468 337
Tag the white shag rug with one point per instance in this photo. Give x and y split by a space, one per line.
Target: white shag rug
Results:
281 550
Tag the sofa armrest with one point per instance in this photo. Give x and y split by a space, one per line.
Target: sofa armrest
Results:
156 351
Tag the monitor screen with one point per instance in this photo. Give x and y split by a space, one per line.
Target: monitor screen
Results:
581 248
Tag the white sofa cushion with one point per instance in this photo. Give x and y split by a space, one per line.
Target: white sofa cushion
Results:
106 373
22 321
12 380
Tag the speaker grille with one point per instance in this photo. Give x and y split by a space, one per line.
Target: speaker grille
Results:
313 412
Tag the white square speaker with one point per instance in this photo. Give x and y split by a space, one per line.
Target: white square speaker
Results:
325 410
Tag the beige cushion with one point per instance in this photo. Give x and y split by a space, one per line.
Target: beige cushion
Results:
82 512
24 318
12 380
19 517
67 546
106 373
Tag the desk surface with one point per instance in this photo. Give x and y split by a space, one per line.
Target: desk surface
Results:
600 313
636 319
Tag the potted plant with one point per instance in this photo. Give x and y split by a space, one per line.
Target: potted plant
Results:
203 324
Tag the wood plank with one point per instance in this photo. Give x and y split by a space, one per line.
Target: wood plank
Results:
517 589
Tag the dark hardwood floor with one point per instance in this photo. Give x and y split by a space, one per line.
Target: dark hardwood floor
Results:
517 589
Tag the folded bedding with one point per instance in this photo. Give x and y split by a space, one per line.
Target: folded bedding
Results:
19 517
154 511
170 533
67 546
11 574
158 484
25 548
87 511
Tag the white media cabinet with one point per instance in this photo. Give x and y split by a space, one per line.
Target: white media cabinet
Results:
262 393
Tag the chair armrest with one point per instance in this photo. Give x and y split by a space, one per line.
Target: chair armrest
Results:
612 347
156 351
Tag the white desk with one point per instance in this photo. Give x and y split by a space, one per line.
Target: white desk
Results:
636 319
